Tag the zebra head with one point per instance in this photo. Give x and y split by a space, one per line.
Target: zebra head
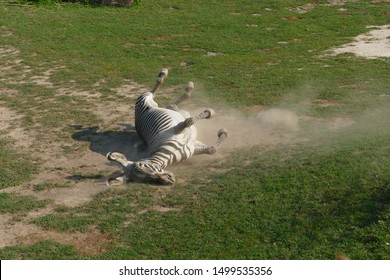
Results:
139 171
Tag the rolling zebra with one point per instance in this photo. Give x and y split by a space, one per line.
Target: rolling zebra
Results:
169 134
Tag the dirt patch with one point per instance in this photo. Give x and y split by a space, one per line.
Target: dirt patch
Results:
372 45
18 137
5 32
7 116
304 8
339 123
323 103
25 233
129 89
75 178
12 64
310 6
212 54
91 243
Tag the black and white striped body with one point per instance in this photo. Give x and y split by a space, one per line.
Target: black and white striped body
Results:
156 126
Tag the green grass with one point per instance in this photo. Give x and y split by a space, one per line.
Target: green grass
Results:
12 172
49 186
305 203
327 196
11 203
108 210
45 250
258 67
53 110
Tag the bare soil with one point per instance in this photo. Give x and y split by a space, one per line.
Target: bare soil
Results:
373 44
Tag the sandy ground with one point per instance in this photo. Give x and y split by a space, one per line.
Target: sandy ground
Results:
265 127
373 44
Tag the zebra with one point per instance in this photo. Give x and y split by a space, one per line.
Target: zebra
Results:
169 134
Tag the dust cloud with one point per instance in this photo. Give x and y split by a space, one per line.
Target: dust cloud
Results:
267 127
293 122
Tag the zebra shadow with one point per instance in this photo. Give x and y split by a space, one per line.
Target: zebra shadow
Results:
125 141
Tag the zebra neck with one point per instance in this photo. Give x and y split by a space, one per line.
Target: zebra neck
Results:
155 161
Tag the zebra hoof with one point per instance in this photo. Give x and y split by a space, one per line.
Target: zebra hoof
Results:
189 122
173 107
189 87
212 150
210 113
115 179
163 74
222 133
118 157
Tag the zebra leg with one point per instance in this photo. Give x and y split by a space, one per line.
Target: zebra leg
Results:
119 158
206 114
161 76
118 177
202 149
187 94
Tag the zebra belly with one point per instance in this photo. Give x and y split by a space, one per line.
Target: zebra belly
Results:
154 121
173 149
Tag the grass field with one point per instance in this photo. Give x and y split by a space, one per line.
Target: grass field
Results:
305 172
